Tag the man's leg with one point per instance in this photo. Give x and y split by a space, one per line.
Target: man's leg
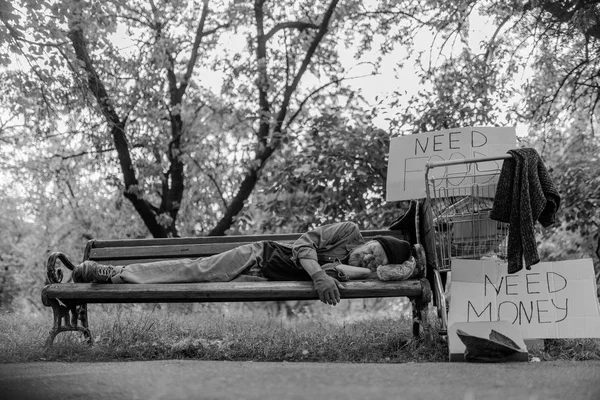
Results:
218 268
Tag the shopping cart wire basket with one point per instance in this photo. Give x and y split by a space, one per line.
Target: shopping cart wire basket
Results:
461 195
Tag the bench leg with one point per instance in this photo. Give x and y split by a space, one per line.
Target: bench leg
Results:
66 319
419 315
419 308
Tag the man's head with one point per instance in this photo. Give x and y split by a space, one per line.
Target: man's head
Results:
396 250
382 250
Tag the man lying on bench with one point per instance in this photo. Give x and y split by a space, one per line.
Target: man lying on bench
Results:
326 255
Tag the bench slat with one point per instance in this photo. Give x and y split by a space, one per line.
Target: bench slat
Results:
165 251
284 237
222 291
129 261
99 243
154 249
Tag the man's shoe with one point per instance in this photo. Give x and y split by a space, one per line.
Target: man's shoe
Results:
418 252
92 272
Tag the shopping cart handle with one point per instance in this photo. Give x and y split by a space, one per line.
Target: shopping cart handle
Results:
435 164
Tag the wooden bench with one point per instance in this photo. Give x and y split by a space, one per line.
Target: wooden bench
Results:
69 300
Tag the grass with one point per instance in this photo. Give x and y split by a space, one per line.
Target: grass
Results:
216 333
134 333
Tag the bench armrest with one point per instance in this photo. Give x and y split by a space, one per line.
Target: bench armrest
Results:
54 274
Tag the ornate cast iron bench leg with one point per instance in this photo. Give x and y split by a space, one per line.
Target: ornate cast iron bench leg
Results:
419 308
66 319
66 315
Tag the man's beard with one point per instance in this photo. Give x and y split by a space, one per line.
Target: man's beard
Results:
355 260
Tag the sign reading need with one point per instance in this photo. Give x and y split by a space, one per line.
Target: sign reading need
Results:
409 154
552 300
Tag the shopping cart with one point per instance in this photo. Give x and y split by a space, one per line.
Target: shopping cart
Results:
460 194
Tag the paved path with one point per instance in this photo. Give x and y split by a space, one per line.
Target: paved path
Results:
176 379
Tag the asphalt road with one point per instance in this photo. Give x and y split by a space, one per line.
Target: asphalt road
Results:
177 379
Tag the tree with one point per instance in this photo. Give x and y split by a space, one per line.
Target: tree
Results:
161 219
554 42
576 170
141 109
271 129
556 46
336 171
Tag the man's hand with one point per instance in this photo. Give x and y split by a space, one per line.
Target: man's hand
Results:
327 287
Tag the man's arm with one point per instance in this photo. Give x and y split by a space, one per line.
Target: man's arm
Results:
326 237
356 272
311 266
326 286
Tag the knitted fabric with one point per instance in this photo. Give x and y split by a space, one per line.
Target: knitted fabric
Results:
396 250
525 194
397 272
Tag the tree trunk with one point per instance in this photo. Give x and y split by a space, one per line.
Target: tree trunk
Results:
264 148
117 129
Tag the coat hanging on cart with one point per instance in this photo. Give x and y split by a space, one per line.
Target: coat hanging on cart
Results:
525 194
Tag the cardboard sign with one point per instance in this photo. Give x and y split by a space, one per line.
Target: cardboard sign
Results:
552 300
409 154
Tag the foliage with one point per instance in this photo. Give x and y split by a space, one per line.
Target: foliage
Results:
333 171
538 69
576 171
59 213
135 118
463 91
128 84
543 52
129 118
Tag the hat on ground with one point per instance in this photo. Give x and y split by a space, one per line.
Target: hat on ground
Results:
396 250
497 348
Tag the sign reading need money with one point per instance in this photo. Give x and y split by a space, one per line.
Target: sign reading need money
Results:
409 154
552 300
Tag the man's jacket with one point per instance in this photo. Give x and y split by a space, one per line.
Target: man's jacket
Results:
328 244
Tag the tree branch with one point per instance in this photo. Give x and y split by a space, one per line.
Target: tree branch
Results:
305 62
17 36
301 26
492 42
317 90
116 126
83 153
214 182
392 13
264 151
195 47
262 82
598 247
562 14
562 83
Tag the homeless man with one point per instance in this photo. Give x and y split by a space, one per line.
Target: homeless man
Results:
326 255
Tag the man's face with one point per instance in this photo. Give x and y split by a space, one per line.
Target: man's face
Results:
369 255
